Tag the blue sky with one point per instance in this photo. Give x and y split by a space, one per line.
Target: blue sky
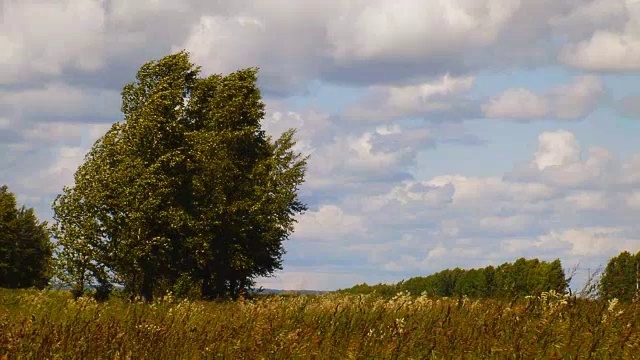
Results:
442 133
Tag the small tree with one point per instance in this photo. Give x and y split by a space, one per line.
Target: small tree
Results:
620 277
25 247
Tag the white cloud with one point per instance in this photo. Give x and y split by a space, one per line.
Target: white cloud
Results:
517 103
588 16
556 148
43 38
475 192
576 100
312 126
411 30
558 163
214 42
587 200
424 193
593 241
605 51
286 39
564 102
387 102
352 158
329 223
608 48
413 98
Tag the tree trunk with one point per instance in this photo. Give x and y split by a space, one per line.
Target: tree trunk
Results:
146 290
207 286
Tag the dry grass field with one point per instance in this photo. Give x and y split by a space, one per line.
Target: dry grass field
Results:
51 325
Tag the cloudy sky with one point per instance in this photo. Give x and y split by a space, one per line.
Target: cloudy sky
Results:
442 133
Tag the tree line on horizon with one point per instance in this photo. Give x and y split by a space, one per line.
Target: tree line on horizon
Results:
524 277
521 278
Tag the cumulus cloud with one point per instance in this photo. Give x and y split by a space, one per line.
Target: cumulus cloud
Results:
604 51
329 223
44 38
413 30
558 161
440 97
564 102
346 42
517 103
582 242
254 37
577 99
556 148
609 48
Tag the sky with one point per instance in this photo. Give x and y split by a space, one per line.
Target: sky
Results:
441 133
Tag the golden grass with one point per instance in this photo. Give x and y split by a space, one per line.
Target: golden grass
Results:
50 325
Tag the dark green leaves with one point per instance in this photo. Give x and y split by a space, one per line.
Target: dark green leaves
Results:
621 277
25 248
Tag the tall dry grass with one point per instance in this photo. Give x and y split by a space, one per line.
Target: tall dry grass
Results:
50 325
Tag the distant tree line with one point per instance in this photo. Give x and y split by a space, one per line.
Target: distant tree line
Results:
620 280
521 278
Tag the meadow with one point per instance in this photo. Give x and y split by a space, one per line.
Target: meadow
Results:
51 325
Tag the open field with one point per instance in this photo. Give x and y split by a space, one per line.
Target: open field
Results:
42 324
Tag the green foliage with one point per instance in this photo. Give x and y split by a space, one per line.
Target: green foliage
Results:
188 185
25 247
385 290
620 277
522 278
50 324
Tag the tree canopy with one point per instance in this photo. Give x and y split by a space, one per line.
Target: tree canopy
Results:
621 277
25 247
187 190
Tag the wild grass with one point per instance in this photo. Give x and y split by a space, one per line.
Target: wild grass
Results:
51 325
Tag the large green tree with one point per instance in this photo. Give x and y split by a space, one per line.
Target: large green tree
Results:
25 247
187 187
